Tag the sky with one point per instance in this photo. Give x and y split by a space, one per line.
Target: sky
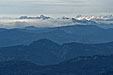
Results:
55 7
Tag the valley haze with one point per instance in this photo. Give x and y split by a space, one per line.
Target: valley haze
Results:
56 37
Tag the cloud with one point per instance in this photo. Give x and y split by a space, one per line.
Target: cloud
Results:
38 23
54 7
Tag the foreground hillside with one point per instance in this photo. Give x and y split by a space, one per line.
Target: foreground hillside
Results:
85 65
108 73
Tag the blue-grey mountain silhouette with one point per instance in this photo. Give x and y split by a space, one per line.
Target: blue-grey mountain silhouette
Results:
83 65
47 52
82 34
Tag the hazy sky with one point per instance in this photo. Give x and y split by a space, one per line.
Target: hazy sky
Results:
55 7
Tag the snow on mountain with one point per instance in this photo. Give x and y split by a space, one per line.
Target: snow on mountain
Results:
95 18
39 17
45 21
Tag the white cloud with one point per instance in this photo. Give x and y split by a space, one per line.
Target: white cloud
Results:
55 6
38 23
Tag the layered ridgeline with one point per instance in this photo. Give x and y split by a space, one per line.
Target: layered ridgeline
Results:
85 65
47 52
78 33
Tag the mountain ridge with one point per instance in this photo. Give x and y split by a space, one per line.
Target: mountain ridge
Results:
88 65
82 34
37 51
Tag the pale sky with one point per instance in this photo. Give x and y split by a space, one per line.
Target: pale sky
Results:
55 7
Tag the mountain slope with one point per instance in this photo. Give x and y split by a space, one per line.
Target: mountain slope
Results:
108 73
18 68
44 52
82 34
16 37
84 65
47 52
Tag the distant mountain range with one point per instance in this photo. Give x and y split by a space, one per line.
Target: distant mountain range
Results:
45 21
96 18
78 17
78 33
47 52
40 17
85 65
